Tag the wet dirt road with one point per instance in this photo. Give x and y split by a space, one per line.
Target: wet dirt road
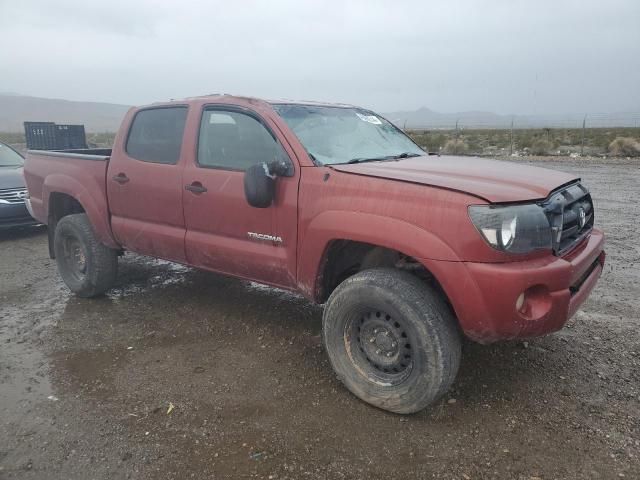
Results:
85 385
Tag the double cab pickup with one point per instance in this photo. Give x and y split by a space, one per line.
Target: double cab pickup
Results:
409 252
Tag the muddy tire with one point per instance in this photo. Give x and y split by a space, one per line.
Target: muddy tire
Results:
86 266
391 339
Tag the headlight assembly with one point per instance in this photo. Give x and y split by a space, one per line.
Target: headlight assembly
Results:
513 229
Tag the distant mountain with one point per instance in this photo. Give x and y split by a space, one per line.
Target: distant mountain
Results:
106 117
426 118
96 117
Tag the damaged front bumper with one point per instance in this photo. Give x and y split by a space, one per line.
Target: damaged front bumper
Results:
501 301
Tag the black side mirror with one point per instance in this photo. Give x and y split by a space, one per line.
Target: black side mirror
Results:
259 186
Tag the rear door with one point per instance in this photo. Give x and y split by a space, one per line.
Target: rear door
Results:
224 233
145 184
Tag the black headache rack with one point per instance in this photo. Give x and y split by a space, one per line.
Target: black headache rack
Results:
51 136
570 213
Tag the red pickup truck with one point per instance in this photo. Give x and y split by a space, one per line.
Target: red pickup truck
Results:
408 251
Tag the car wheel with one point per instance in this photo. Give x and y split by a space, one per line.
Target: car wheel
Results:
391 339
86 266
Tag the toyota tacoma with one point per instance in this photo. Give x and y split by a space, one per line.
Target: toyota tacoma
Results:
408 252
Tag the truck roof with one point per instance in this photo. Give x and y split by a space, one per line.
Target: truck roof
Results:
250 100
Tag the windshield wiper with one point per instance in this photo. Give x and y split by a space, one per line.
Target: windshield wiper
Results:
406 155
385 158
363 160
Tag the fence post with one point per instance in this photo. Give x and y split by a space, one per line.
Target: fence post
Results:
511 138
584 122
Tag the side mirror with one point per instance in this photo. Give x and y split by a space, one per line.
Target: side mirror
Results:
259 186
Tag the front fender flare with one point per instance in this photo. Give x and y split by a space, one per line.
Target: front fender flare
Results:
369 228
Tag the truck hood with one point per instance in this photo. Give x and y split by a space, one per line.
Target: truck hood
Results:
493 180
11 177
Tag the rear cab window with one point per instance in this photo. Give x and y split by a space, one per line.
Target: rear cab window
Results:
156 134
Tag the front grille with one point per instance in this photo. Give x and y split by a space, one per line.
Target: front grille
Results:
570 213
12 195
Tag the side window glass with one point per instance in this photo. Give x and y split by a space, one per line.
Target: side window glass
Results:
156 135
235 141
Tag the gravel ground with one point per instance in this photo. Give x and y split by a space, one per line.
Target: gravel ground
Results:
183 374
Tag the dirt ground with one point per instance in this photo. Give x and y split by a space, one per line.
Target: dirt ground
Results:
86 385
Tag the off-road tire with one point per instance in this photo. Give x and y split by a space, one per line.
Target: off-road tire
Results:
86 266
415 333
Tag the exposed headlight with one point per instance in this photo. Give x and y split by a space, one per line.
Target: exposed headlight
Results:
513 229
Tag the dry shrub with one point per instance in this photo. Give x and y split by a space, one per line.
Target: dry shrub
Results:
624 147
541 146
456 146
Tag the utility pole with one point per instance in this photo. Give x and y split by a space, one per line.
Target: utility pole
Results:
457 133
584 122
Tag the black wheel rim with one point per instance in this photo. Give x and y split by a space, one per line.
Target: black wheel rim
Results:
74 256
379 346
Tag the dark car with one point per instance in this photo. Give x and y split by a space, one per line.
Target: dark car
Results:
13 210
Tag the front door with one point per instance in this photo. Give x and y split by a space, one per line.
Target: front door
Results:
145 187
224 233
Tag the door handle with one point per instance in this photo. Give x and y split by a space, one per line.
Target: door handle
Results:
196 187
121 178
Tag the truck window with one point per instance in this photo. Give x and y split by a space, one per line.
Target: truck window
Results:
156 135
233 140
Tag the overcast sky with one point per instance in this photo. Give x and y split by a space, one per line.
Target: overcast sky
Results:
506 56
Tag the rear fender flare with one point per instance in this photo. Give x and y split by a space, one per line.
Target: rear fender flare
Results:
95 208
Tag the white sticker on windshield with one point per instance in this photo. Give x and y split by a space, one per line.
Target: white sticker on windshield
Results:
369 118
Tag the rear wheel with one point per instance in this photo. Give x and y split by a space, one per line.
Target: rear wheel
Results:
86 266
391 339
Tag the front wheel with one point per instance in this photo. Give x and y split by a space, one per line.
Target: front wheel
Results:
391 339
86 266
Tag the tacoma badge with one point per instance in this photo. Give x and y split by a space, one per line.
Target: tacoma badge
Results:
265 237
